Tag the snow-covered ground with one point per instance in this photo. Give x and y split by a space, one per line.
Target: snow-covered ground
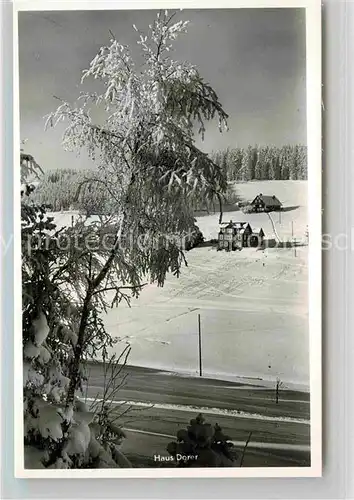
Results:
253 304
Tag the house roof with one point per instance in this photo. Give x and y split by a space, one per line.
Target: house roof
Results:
268 200
237 225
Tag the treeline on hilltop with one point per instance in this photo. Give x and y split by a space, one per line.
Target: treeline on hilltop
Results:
89 191
263 163
70 189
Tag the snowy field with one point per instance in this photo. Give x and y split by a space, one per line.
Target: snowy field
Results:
253 304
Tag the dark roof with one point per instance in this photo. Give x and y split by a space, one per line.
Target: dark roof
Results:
236 225
258 230
269 201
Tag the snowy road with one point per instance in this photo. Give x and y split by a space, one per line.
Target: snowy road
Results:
160 403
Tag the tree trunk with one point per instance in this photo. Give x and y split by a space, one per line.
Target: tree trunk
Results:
92 287
274 229
220 207
78 351
79 348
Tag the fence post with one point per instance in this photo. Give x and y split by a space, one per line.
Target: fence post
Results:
200 345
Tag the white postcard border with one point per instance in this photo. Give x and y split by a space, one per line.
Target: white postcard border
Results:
314 143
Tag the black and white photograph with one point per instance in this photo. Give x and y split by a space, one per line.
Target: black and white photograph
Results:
170 205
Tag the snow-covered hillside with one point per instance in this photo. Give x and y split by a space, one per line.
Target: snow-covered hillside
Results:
253 304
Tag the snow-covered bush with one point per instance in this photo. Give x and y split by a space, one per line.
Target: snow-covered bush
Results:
202 445
248 209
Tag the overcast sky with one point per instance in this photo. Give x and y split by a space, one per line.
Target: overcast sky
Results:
254 58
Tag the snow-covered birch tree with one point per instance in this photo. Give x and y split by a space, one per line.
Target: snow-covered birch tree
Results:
145 148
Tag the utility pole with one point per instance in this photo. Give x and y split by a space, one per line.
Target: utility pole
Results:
292 229
200 346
